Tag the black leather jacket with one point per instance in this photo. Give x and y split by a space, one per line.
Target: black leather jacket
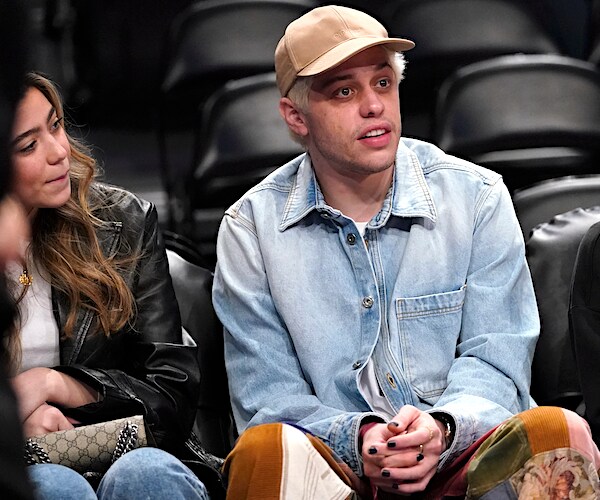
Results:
144 368
584 324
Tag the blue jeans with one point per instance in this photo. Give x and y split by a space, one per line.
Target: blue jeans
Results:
145 473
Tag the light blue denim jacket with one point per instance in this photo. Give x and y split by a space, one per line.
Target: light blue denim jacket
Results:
438 294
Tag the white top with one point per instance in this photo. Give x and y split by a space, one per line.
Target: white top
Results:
362 227
370 389
39 331
367 382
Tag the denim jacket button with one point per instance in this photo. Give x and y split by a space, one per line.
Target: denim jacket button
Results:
356 365
367 302
351 239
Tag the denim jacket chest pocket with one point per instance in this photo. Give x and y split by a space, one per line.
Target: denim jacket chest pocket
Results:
428 332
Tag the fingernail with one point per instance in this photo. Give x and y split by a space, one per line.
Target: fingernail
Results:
395 424
420 457
395 486
385 473
391 444
372 450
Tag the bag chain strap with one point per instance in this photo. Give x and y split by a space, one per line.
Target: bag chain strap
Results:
35 454
127 440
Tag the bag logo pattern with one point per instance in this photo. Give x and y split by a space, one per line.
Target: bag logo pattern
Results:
88 448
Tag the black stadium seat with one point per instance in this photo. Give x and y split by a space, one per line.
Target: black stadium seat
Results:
540 202
551 253
528 117
450 34
193 284
241 139
210 43
584 317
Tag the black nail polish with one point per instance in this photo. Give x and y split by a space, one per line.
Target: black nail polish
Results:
395 486
385 473
392 444
420 457
395 424
372 450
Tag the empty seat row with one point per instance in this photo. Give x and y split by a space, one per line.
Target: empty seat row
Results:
524 118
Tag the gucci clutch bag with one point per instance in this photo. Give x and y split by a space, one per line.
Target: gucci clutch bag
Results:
88 448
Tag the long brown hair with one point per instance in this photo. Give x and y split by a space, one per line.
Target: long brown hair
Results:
65 245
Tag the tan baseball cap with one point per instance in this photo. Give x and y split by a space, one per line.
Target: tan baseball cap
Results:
326 37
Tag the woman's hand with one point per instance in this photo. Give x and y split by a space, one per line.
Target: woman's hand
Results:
41 385
45 419
402 456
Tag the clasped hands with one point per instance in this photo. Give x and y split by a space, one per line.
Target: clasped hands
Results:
402 456
37 387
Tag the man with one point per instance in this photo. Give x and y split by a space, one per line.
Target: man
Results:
374 291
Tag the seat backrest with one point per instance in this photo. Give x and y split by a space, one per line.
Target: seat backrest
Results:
450 34
551 253
210 43
567 22
529 117
214 41
186 248
594 44
584 317
193 288
542 201
458 32
241 139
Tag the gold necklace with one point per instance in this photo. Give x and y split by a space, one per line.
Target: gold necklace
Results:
24 278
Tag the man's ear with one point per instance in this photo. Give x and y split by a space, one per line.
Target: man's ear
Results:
294 118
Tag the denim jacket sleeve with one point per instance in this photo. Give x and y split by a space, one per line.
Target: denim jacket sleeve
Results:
255 335
490 376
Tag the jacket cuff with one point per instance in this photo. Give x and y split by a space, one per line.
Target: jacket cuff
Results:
114 402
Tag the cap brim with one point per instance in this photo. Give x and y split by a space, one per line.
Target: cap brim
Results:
344 51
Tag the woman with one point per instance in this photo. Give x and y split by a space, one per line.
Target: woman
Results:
98 334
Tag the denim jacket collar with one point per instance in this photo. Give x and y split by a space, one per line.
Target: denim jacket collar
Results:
409 195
